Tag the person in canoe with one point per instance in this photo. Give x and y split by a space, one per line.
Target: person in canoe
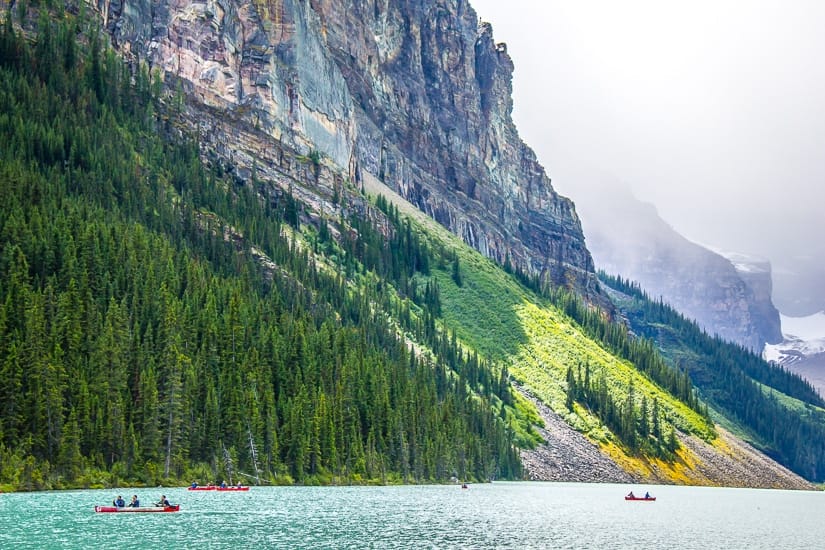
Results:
135 502
647 495
631 495
119 502
163 502
223 484
194 484
239 485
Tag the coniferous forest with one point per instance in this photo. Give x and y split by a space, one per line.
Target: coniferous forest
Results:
141 337
737 382
163 320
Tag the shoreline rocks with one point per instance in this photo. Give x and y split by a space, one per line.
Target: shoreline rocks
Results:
567 455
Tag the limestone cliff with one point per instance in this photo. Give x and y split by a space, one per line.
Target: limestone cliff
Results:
415 93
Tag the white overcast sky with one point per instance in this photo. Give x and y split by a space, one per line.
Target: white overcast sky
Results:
712 110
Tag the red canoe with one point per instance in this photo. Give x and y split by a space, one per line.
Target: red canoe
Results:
640 498
173 508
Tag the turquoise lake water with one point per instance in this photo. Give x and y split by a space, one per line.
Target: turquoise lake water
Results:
497 515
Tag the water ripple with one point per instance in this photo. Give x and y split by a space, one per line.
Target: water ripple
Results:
499 515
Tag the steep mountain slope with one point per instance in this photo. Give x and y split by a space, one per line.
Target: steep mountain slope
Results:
414 93
161 320
283 322
491 313
778 411
628 238
810 366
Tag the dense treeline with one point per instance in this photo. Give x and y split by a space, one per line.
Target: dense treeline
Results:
403 259
139 335
658 312
639 426
737 381
639 351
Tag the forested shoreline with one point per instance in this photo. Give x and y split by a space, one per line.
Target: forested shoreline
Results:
139 344
164 320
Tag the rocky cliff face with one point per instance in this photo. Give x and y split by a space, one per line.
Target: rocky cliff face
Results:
729 298
415 93
757 275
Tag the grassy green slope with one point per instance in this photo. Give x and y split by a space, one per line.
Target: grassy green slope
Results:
494 314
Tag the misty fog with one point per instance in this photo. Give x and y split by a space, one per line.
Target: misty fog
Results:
710 110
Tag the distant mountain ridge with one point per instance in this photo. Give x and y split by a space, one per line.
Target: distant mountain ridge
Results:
727 296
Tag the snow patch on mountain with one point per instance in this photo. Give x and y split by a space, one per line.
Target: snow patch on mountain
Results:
803 337
744 263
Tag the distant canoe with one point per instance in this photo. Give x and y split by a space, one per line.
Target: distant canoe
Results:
174 508
628 497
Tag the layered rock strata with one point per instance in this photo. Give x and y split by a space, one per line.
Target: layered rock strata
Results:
417 94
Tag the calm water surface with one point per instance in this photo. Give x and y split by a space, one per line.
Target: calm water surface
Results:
497 515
